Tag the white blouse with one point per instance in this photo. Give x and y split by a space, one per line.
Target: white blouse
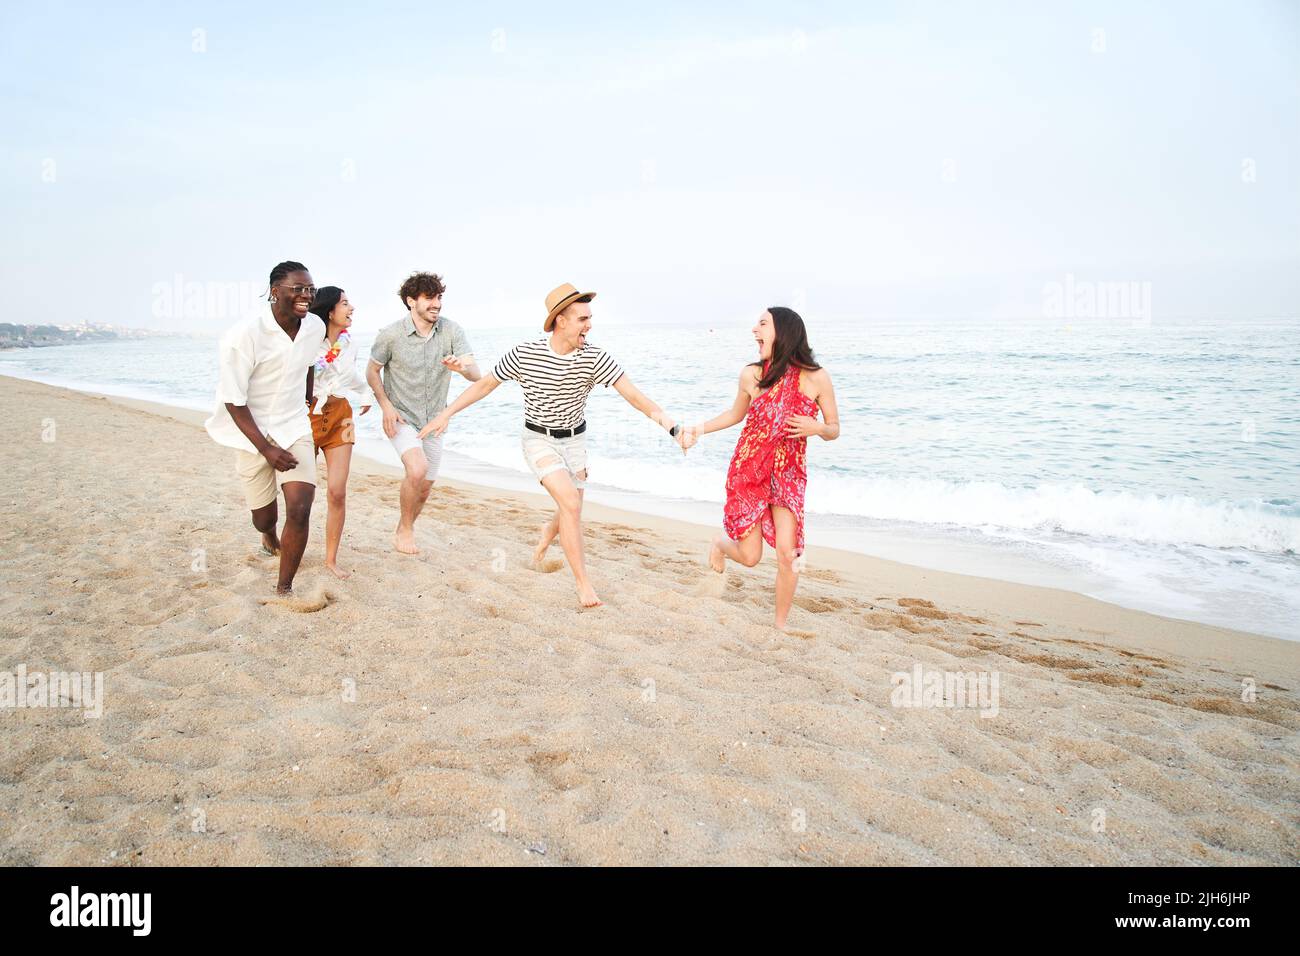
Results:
341 377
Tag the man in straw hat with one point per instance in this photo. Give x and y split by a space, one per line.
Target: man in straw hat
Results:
557 374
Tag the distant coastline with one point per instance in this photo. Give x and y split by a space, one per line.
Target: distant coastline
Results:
40 336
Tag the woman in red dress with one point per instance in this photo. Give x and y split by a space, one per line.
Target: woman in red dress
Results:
779 397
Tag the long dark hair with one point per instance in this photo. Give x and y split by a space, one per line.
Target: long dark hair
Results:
789 347
323 302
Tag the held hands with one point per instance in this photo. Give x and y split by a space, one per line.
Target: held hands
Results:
687 437
437 426
802 426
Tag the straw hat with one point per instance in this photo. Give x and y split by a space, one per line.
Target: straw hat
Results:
559 299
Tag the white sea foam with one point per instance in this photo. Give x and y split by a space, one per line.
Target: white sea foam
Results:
1159 468
989 506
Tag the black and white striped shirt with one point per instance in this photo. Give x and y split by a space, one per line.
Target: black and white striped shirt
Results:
556 386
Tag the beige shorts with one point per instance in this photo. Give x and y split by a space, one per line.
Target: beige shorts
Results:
260 478
546 455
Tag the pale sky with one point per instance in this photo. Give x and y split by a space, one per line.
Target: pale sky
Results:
856 160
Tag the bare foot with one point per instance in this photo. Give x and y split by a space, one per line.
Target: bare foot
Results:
338 572
587 595
404 541
270 543
285 591
717 560
543 543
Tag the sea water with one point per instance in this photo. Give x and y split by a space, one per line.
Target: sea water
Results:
1155 465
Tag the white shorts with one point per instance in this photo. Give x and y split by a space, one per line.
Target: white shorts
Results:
546 455
408 437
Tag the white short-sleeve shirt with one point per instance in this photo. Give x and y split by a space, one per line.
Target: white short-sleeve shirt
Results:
261 367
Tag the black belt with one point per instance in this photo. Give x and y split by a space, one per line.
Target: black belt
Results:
556 432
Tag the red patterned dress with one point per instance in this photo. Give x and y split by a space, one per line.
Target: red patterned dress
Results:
768 467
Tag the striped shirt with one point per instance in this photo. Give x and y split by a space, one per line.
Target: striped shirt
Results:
556 386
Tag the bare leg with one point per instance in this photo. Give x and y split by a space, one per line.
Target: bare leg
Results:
265 519
298 496
787 576
569 502
747 551
415 492
338 461
550 531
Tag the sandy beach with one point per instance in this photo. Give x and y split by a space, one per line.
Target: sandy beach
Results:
458 707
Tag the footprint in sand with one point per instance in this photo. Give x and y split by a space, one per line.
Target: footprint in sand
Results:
548 565
711 584
818 575
819 605
919 607
308 603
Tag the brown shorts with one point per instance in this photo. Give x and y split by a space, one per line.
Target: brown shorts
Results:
333 426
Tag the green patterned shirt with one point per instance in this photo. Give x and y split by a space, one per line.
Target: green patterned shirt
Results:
415 379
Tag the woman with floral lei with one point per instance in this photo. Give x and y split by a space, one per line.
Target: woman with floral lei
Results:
331 413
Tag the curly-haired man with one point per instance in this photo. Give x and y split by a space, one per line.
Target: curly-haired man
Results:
417 356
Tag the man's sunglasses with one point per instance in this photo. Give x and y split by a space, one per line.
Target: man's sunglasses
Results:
300 289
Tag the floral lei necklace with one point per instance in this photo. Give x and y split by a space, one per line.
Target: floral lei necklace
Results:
332 352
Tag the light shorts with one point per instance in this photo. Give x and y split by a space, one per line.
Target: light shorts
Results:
408 437
546 455
260 479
